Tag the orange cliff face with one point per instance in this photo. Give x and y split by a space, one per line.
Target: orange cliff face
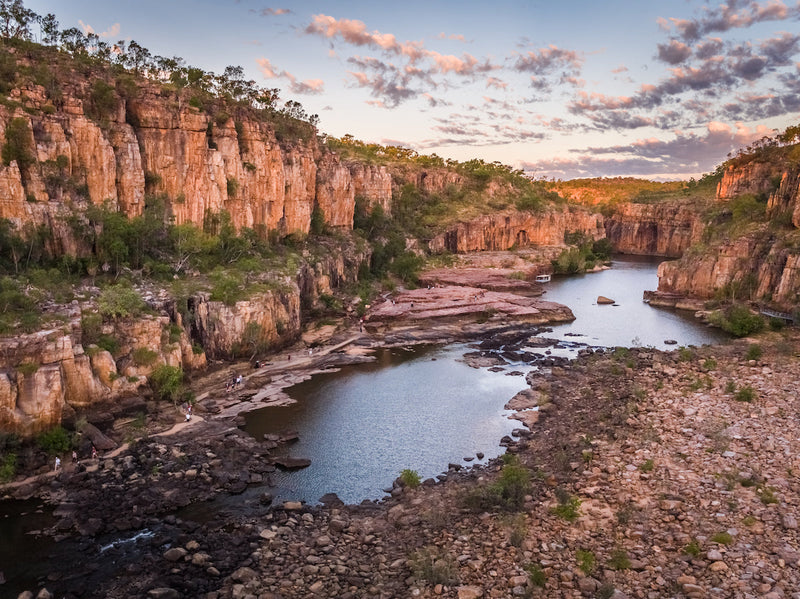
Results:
665 229
161 145
508 229
763 265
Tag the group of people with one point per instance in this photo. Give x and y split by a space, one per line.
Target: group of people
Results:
57 465
234 383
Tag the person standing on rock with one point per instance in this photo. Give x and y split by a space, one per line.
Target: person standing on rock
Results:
94 452
57 464
74 457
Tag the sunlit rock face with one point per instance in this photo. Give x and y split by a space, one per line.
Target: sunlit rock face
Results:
507 229
666 229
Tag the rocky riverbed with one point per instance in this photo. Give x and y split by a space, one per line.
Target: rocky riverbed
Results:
653 474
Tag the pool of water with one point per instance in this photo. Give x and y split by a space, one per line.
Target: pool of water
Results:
631 321
360 427
423 409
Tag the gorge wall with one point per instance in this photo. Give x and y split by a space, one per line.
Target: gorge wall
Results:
156 144
508 229
761 262
664 229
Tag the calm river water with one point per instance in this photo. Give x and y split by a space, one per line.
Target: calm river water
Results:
423 409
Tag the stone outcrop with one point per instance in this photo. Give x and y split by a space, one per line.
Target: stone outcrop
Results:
156 144
750 177
509 229
759 265
664 229
745 268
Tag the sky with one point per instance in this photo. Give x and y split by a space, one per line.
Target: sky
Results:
567 89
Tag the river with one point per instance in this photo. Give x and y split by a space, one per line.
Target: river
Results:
416 408
423 409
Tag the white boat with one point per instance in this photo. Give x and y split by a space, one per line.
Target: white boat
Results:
542 278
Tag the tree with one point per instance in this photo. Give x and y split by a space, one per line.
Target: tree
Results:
49 29
16 20
18 144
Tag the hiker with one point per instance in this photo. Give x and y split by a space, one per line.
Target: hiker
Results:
94 452
74 457
57 465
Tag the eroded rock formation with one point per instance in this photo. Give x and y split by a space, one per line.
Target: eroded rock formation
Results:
509 229
664 229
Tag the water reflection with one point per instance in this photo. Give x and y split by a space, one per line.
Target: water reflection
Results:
411 409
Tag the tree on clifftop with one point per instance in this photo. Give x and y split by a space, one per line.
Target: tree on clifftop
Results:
16 20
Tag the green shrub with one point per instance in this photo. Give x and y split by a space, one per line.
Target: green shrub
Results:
693 548
766 494
754 352
109 343
8 467
536 575
709 364
407 266
232 186
175 333
619 560
167 382
197 349
55 441
103 100
586 561
410 478
723 538
120 301
685 354
746 394
18 144
507 493
228 288
27 368
647 466
317 220
432 565
568 508
143 356
737 320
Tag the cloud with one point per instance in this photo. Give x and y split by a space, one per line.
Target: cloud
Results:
417 70
307 87
266 68
674 53
452 36
547 60
112 31
686 154
620 69
736 14
495 83
272 12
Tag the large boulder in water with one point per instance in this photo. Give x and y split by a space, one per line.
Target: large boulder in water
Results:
602 299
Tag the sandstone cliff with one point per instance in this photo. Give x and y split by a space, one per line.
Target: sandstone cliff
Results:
509 229
157 144
750 177
663 229
760 263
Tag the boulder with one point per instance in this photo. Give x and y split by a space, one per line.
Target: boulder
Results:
602 299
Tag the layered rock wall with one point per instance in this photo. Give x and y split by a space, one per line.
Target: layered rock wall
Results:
665 229
509 229
157 144
750 177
